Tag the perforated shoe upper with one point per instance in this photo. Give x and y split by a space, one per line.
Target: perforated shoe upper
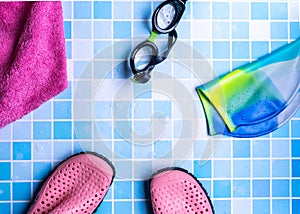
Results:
177 192
78 185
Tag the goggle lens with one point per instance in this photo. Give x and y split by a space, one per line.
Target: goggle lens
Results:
143 57
165 16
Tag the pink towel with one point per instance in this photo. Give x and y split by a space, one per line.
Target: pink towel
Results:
32 57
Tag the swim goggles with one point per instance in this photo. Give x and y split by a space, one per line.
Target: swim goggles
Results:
146 55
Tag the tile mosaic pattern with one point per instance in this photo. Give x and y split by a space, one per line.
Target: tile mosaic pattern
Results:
250 176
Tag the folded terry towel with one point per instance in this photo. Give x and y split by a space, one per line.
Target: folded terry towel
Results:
32 56
256 98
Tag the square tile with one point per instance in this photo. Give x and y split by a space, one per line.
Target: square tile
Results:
221 50
122 130
103 29
261 188
5 192
222 189
261 168
102 69
82 50
220 30
295 128
102 9
295 148
295 188
42 130
222 206
202 169
294 30
280 206
296 168
5 148
67 9
105 207
259 31
240 50
119 12
20 207
124 207
141 207
123 168
83 129
241 148
123 189
103 130
68 29
142 151
162 149
21 130
241 168
142 169
221 67
202 30
122 149
163 107
203 48
259 10
82 29
222 169
122 30
295 205
279 30
240 30
201 10
21 150
62 130
261 206
5 132
142 10
242 206
241 188
220 10
280 148
280 168
82 9
141 189
5 171
22 171
69 49
62 150
259 49
25 194
122 48
279 11
240 10
280 188
5 207
42 150
260 148
41 170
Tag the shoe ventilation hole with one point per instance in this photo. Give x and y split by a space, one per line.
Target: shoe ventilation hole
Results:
180 197
68 188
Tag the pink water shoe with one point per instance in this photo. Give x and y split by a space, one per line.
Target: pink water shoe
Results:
176 191
78 185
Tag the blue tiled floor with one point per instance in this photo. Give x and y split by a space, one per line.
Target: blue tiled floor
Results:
255 176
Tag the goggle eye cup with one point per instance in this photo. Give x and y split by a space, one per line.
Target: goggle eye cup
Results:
167 16
142 57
